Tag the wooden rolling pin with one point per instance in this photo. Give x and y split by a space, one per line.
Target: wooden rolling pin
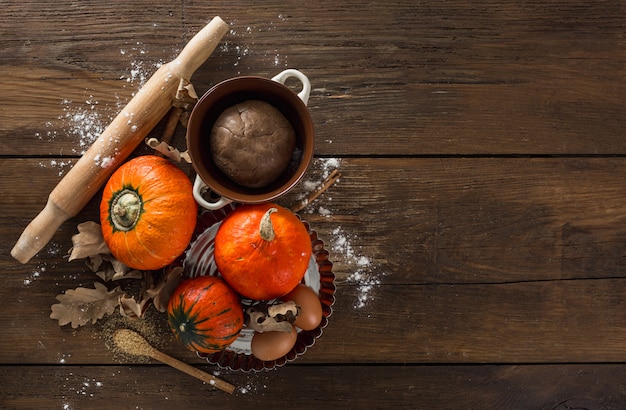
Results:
117 141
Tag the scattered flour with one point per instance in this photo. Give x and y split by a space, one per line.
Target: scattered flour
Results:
87 385
62 357
82 121
79 387
53 249
364 275
140 70
328 165
254 385
35 274
241 40
104 162
61 166
322 167
323 211
49 135
246 389
86 120
240 50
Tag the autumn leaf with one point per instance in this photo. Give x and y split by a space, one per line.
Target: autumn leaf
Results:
108 268
129 307
161 292
89 244
82 305
88 241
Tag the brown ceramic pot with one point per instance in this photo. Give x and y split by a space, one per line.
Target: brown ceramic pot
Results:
234 91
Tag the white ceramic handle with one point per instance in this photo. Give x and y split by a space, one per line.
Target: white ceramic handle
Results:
198 187
306 84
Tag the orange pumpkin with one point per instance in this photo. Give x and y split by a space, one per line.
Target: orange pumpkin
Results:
262 250
148 212
205 314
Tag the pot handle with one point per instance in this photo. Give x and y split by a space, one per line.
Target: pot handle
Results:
198 188
306 84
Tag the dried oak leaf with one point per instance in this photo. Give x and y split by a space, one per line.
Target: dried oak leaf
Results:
130 308
161 292
88 241
89 244
108 268
82 305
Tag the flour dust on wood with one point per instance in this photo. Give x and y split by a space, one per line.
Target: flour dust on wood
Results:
364 273
240 43
52 250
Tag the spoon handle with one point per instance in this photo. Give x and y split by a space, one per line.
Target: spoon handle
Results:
192 371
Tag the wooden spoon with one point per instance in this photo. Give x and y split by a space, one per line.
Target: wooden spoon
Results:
133 343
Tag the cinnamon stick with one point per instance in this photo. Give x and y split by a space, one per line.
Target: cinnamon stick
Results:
328 182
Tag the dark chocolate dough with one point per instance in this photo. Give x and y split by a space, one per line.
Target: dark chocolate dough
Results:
252 143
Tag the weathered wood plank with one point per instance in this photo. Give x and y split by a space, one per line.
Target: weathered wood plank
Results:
469 260
460 78
534 322
460 247
401 387
451 220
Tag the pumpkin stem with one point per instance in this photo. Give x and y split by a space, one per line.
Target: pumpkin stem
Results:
266 229
125 210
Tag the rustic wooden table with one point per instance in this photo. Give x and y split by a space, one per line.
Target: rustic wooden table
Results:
477 231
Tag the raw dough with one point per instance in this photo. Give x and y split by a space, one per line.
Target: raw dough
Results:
252 143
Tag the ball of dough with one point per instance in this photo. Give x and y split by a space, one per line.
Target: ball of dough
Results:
252 143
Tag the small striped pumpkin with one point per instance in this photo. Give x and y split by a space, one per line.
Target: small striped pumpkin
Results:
205 314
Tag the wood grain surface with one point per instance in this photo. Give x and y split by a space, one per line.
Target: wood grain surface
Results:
477 232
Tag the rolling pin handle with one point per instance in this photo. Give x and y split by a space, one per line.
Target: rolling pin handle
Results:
39 232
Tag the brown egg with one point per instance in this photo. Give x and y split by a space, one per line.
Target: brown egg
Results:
310 315
273 345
